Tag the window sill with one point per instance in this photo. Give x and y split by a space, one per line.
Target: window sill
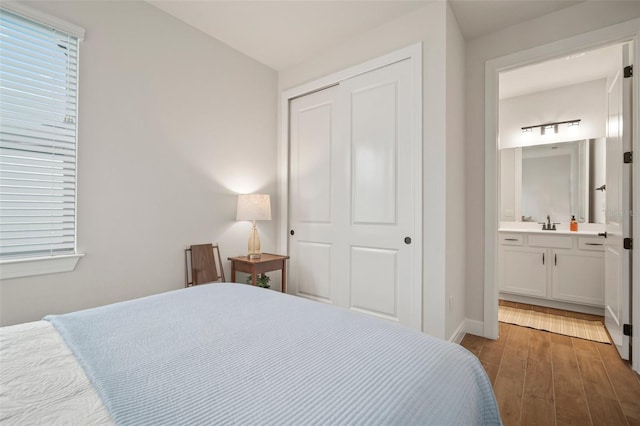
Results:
16 268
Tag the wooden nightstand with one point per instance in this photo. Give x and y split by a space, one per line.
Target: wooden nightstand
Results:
267 262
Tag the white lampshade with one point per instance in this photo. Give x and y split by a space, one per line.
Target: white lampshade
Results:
253 207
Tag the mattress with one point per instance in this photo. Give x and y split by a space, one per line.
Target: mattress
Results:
41 381
236 354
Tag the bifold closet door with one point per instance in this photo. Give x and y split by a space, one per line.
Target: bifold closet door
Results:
352 190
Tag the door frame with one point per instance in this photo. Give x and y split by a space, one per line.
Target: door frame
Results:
619 33
413 53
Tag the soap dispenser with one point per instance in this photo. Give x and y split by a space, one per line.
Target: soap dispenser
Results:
573 225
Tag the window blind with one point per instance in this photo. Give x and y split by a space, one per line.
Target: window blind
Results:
38 112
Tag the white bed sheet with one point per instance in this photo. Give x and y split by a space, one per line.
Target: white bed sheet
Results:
42 382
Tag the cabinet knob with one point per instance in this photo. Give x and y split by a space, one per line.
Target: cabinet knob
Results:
407 240
292 232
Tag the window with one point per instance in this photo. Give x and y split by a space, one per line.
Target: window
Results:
38 144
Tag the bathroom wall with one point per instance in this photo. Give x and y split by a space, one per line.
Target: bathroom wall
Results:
585 101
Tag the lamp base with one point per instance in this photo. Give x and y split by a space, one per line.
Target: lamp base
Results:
254 243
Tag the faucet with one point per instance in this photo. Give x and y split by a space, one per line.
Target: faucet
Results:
548 225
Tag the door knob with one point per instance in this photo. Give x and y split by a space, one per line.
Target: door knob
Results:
407 240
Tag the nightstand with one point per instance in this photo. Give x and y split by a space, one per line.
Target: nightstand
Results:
267 262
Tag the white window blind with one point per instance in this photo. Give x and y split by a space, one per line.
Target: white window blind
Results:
38 111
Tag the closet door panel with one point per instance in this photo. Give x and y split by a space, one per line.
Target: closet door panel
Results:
374 282
316 245
314 278
314 162
382 197
374 149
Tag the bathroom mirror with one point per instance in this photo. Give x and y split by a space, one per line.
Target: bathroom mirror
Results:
558 180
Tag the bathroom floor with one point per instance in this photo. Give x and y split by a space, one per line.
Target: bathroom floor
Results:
545 378
552 311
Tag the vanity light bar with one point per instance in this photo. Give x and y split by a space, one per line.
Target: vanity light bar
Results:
548 126
544 129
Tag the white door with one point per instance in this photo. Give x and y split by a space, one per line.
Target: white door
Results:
352 195
315 192
617 258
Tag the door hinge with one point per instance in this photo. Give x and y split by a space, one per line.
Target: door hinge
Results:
628 71
628 157
626 330
628 243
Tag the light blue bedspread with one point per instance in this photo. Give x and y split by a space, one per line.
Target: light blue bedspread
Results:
236 354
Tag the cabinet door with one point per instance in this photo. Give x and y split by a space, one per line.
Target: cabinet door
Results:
523 270
578 276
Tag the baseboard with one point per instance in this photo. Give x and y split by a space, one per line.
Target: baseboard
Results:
467 326
474 327
458 335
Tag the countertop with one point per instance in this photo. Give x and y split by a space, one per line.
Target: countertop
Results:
587 229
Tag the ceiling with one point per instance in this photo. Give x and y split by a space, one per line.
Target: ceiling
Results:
574 69
281 34
480 17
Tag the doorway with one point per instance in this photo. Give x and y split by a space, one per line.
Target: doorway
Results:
561 162
562 49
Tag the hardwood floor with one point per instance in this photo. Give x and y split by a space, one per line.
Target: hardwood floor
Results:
542 378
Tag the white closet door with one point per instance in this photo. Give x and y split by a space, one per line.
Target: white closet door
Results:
316 181
378 132
352 195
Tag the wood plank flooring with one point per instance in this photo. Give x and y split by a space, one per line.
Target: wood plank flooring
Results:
542 378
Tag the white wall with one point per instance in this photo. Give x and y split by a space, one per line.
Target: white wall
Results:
455 214
172 124
585 101
583 17
429 26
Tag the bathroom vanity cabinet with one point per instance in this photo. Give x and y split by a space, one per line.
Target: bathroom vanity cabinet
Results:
557 267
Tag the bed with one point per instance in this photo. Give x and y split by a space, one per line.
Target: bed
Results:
235 354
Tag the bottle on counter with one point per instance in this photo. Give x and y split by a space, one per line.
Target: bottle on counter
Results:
573 225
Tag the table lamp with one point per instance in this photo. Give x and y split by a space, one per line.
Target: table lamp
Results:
254 207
